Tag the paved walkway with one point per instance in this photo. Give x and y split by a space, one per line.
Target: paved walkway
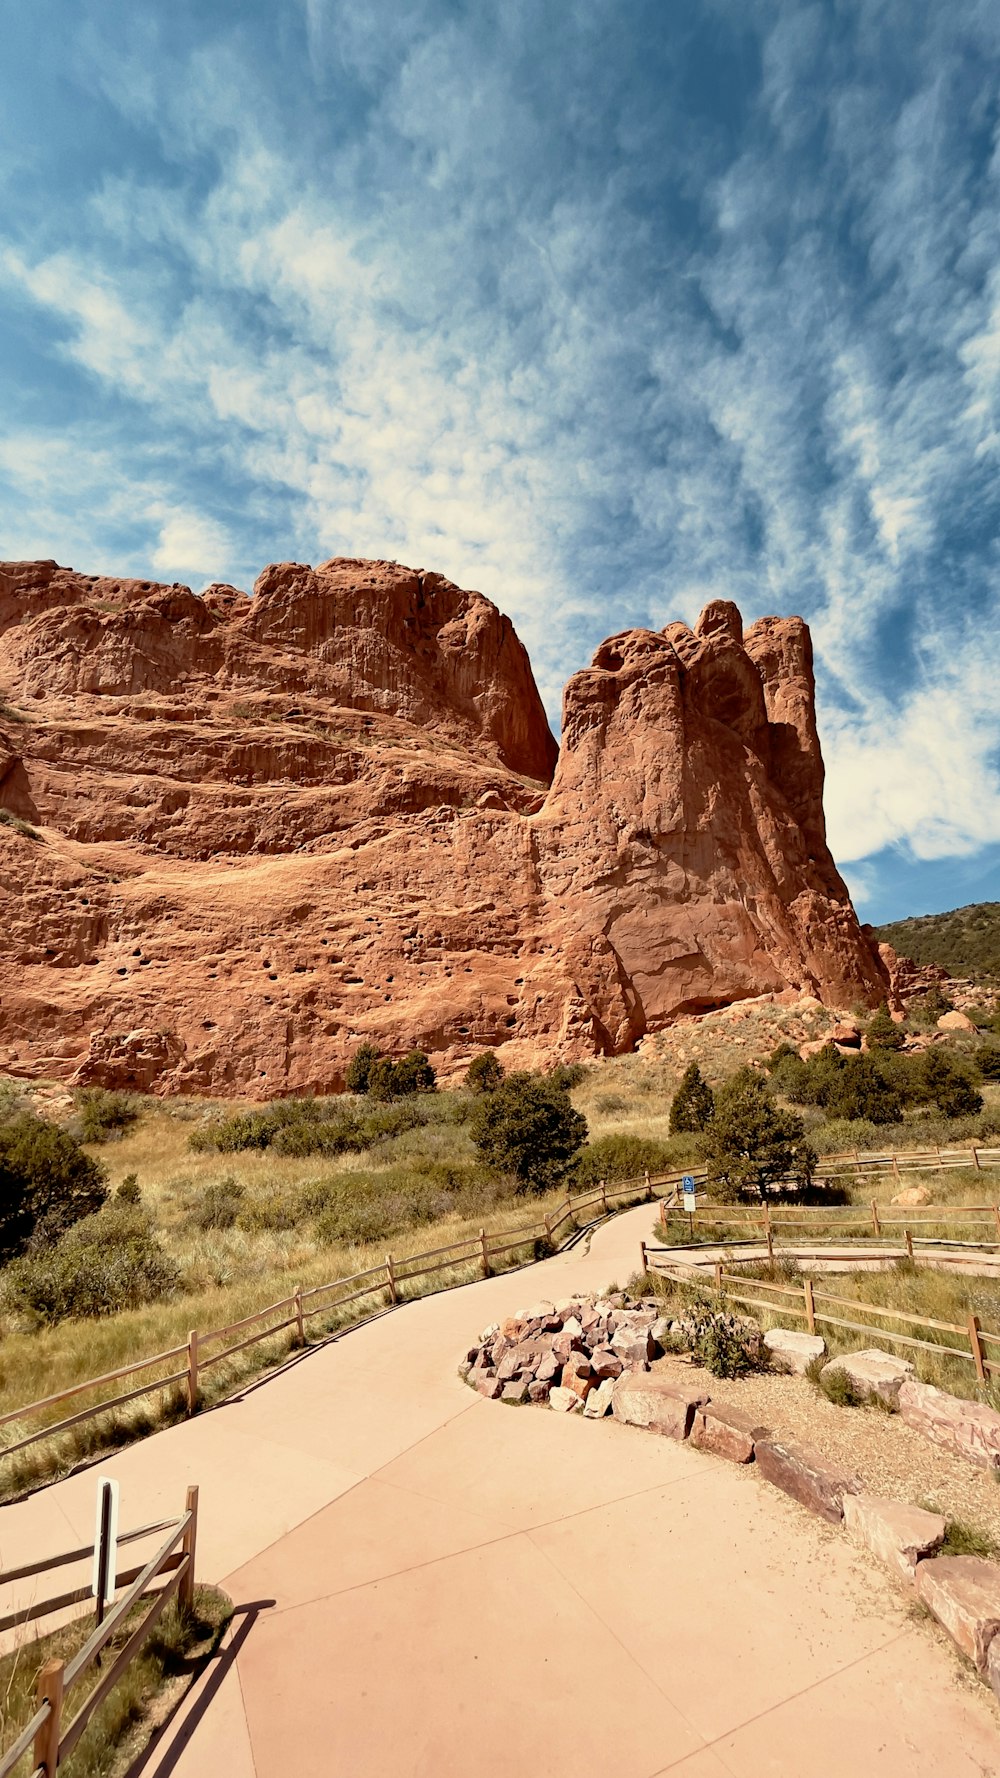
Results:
430 1585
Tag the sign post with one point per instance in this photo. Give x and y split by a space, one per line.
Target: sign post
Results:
105 1574
690 1200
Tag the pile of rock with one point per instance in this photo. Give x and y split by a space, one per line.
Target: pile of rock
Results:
567 1354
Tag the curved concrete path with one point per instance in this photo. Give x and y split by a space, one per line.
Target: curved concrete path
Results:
433 1586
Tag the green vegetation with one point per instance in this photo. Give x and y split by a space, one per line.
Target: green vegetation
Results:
104 1115
751 1144
877 1087
485 1073
621 1156
174 1652
24 828
693 1103
529 1129
882 1031
47 1182
109 1261
966 941
963 1539
372 1072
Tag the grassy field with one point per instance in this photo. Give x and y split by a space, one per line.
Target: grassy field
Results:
419 1188
175 1650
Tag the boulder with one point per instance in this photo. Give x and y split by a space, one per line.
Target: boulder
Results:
598 1402
516 1392
955 1021
912 1196
577 1375
846 1035
660 1404
633 1346
806 1475
565 1401
963 1592
659 1333
872 1373
899 1535
791 1350
489 1386
726 1432
548 1368
993 1666
606 1363
539 1390
969 1428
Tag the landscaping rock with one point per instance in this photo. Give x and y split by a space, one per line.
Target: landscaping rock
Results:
955 1021
491 1387
963 1592
872 1373
577 1376
606 1363
548 1368
598 1402
793 1351
969 1428
993 1666
634 1347
806 1476
726 1432
565 1401
661 1404
539 1391
516 1392
899 1535
659 1333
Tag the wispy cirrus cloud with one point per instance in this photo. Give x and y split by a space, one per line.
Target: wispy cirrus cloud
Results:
603 316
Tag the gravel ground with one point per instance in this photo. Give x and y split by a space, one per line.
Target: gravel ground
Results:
890 1458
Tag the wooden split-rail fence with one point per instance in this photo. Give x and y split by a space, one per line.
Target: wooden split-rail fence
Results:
184 1366
49 1737
810 1303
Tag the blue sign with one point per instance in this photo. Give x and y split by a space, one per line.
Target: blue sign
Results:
687 1183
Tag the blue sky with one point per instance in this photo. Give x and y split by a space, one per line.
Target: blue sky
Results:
603 309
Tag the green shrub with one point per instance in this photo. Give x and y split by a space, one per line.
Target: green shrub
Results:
750 1144
24 828
693 1103
105 1116
862 1091
108 1262
485 1073
987 1060
963 1539
271 1209
128 1192
566 1075
727 1345
620 1156
882 1031
529 1129
219 1206
836 1385
359 1068
396 1080
47 1182
926 1009
949 1086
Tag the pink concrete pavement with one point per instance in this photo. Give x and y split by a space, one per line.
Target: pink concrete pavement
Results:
433 1586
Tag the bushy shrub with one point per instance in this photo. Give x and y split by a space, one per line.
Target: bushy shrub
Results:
750 1144
529 1129
948 1085
128 1192
219 1206
359 1207
47 1182
862 1091
108 1262
566 1075
987 1060
105 1116
300 1127
927 1008
693 1103
270 1209
882 1031
621 1156
396 1080
485 1073
727 1345
360 1067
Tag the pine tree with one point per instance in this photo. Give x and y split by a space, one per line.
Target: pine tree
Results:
693 1103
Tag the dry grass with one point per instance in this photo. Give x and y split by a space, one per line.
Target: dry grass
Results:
177 1647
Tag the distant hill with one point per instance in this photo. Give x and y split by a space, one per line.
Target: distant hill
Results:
965 942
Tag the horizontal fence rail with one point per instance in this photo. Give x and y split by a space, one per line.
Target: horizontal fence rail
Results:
47 1736
204 1350
800 1302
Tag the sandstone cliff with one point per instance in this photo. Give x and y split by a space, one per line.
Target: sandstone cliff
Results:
264 829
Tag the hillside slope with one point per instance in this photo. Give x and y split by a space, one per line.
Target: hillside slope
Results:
966 941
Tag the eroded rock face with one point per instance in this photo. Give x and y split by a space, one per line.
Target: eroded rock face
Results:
274 827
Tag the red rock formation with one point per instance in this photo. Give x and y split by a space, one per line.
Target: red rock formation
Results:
270 828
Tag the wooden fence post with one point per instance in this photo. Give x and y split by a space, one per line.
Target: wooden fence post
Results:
718 1277
300 1325
391 1278
192 1370
642 1256
604 1196
977 1347
976 1162
485 1257
49 1689
189 1543
663 1213
875 1221
996 1214
770 1242
895 1167
810 1306
649 1189
909 1243
548 1230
